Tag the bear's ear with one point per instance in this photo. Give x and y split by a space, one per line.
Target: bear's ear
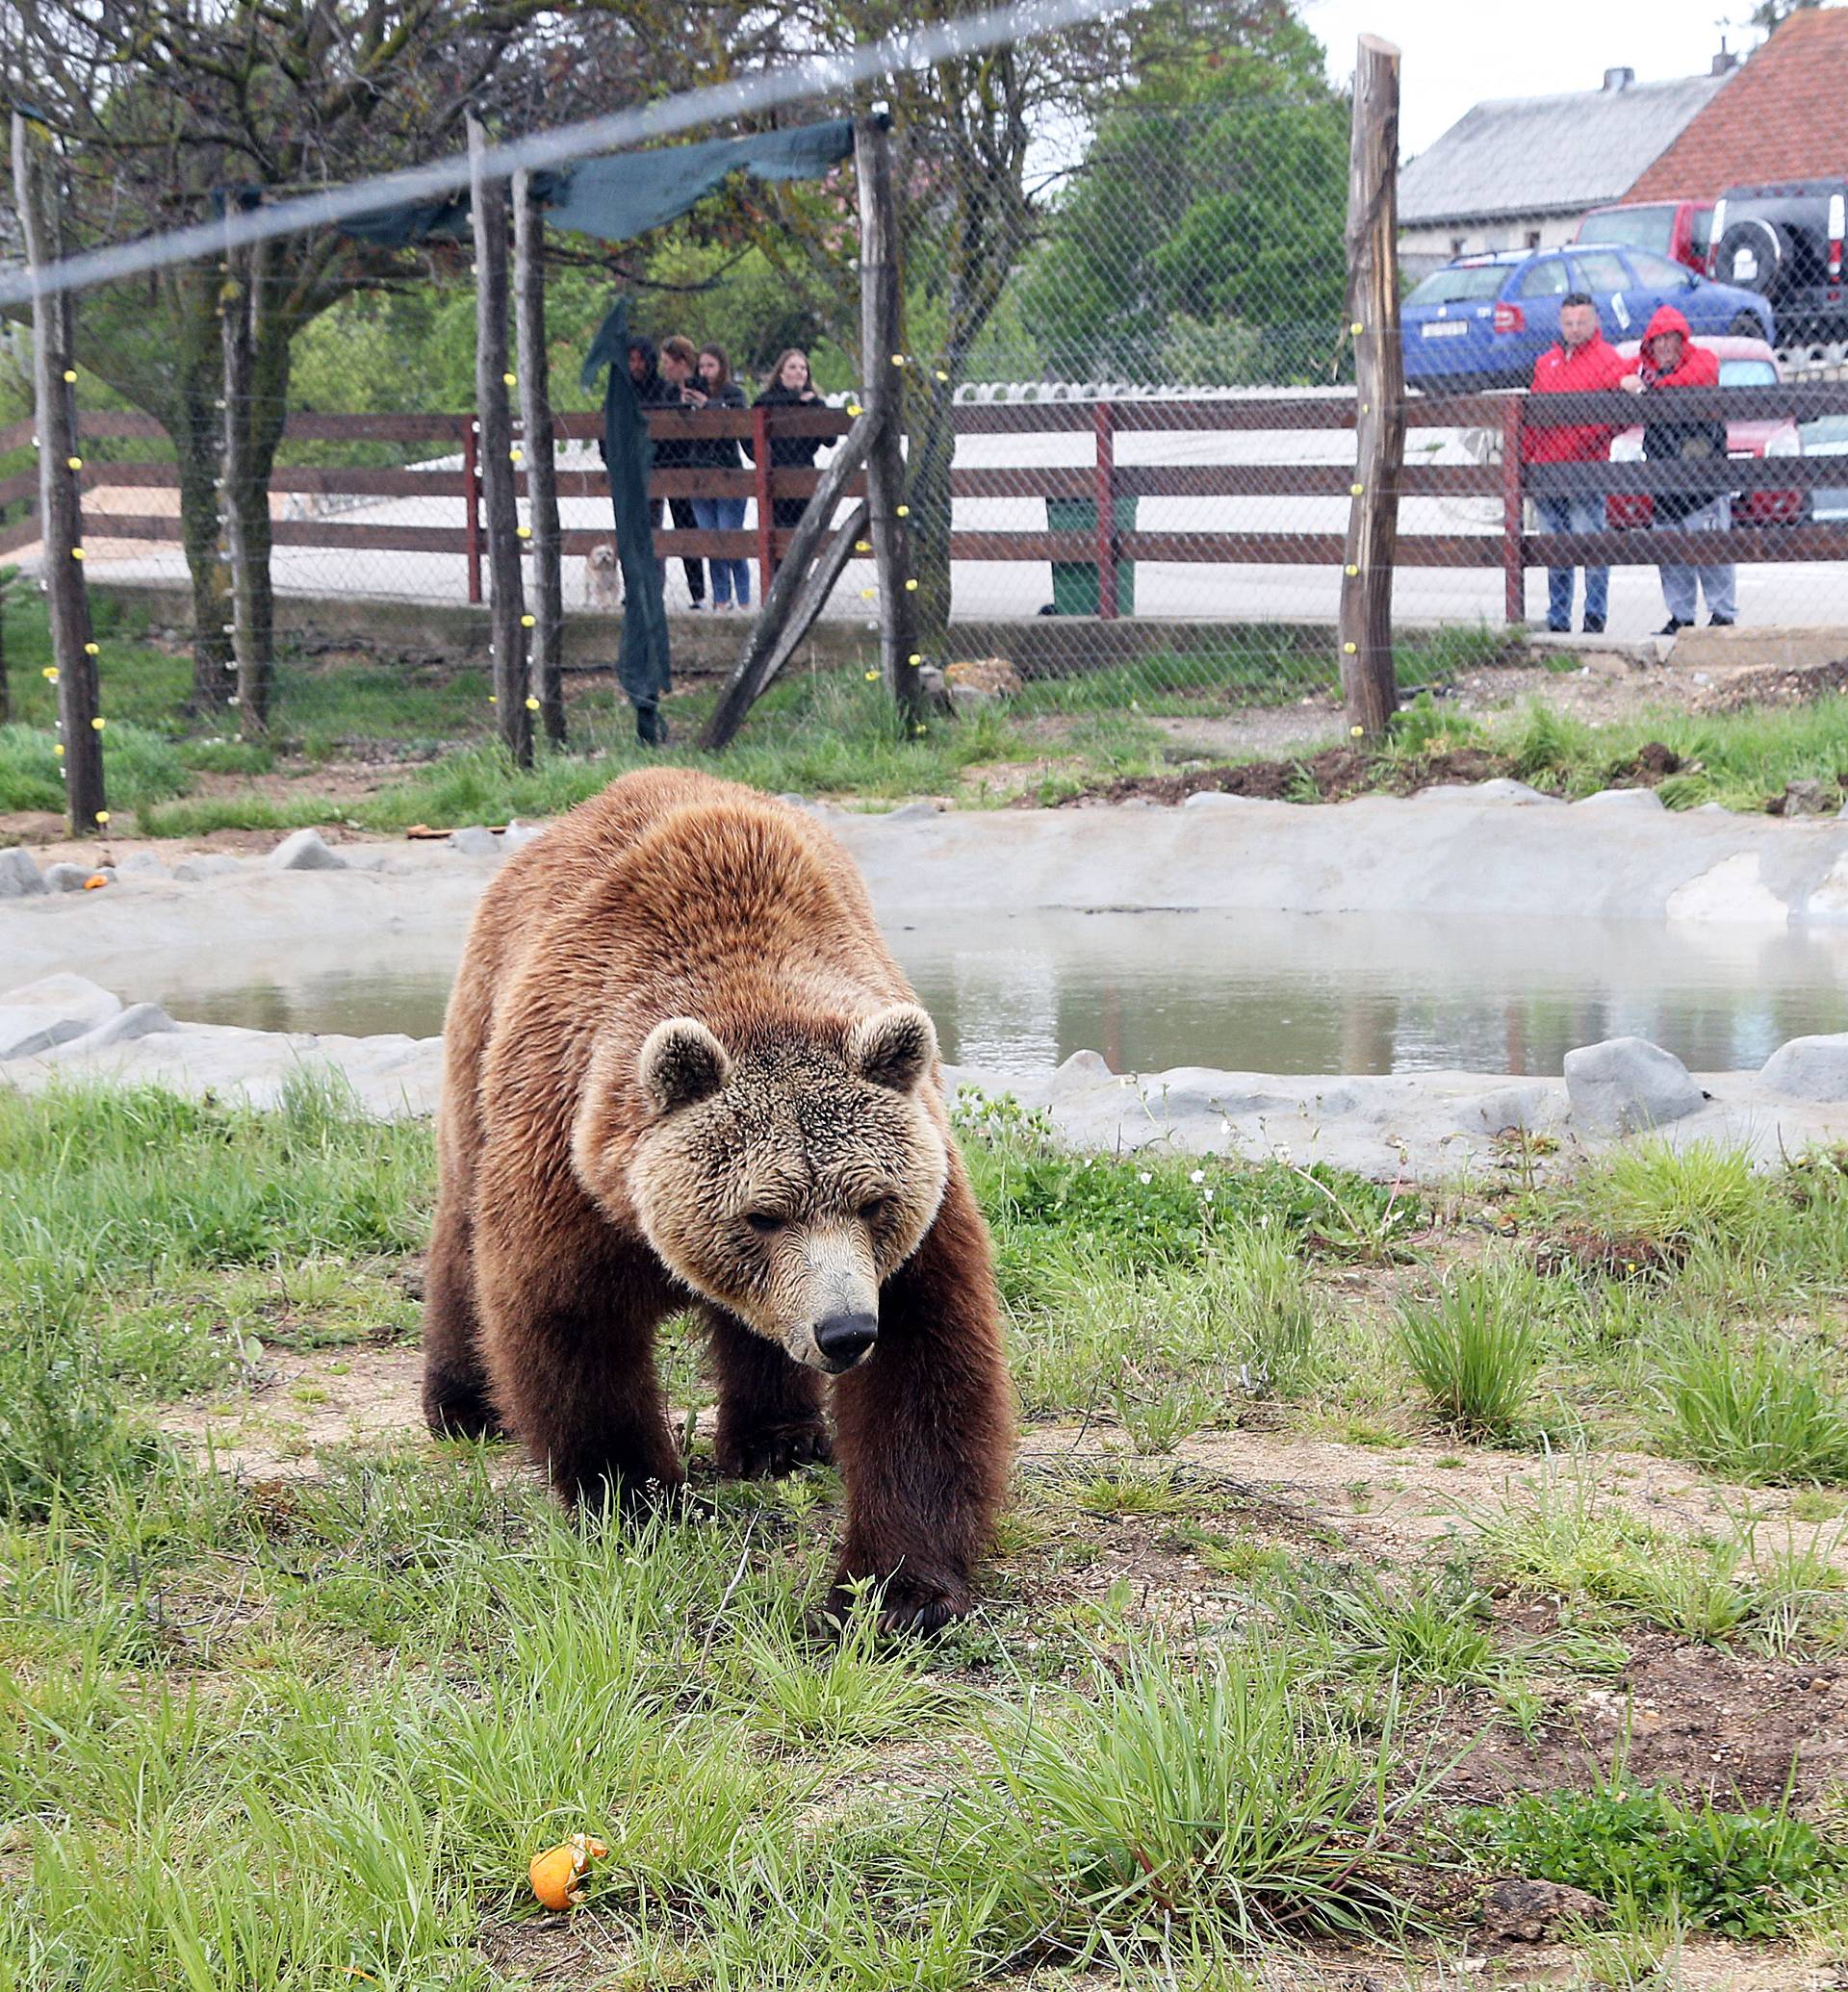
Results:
893 1047
681 1062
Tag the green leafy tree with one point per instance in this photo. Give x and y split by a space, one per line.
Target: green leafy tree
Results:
1201 237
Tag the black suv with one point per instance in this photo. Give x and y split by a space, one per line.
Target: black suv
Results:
1786 242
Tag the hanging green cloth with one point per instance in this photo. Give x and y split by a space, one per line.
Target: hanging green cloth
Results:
626 194
628 452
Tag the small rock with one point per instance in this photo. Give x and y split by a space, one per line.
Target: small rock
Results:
1499 790
51 1011
1627 1084
138 1020
65 877
1622 798
20 875
477 841
1805 799
1528 1912
143 864
210 866
909 812
304 851
1808 1069
1217 799
1081 1071
518 833
1531 1110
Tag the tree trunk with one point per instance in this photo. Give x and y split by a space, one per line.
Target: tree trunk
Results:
193 421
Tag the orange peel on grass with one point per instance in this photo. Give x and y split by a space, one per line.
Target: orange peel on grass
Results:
558 1874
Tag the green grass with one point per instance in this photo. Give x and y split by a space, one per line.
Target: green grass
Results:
1474 1347
1183 1791
276 1731
1766 1414
429 721
1754 1873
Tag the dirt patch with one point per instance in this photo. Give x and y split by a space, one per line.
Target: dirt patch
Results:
1338 774
1333 775
1706 1722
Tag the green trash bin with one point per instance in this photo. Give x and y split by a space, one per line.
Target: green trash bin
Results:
1074 582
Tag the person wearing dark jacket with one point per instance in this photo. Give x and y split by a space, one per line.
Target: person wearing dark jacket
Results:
790 387
1669 359
679 362
716 389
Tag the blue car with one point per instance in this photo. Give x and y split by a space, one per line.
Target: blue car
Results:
1483 320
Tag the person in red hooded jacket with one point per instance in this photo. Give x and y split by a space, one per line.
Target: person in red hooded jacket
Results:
1580 364
1669 359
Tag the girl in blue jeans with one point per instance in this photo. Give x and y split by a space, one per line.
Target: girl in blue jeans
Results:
730 578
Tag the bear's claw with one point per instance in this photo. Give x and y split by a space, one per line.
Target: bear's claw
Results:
774 1450
906 1610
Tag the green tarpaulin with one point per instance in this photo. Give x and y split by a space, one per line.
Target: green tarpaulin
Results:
618 198
627 193
642 661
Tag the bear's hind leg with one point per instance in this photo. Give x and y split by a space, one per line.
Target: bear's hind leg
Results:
770 1419
455 1385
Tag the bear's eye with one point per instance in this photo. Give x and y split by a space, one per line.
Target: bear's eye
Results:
876 1211
764 1222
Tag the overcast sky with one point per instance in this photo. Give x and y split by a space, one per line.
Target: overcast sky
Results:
1458 52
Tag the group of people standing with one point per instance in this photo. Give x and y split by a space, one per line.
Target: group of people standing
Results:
688 378
1667 358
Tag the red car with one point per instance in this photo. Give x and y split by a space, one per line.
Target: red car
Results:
1743 362
1677 229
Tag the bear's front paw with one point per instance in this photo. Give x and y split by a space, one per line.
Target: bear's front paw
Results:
908 1607
767 1452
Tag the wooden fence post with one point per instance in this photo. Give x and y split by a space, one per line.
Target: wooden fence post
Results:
238 306
472 506
1104 428
883 361
542 467
796 596
766 505
73 648
1514 573
508 601
1368 684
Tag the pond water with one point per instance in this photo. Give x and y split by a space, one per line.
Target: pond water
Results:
1272 993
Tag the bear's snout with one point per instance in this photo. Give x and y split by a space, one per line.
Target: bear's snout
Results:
844 1339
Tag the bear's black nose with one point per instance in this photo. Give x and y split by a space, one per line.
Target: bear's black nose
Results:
843 1338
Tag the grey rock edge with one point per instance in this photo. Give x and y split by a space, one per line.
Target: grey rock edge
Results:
1414 1127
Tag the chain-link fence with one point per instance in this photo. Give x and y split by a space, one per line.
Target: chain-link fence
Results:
1129 410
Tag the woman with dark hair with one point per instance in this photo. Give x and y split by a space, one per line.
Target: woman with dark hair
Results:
790 387
716 389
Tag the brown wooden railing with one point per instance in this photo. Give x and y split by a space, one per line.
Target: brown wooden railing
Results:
1101 482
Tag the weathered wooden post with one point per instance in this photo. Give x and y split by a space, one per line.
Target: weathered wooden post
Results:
238 307
883 361
542 469
509 621
1368 681
73 647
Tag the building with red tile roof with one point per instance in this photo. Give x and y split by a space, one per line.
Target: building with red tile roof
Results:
1781 117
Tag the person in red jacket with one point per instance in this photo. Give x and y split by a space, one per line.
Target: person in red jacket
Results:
1580 364
1669 359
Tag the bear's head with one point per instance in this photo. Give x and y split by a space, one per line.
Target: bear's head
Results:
785 1178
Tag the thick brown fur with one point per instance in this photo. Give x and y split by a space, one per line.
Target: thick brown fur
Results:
607 1163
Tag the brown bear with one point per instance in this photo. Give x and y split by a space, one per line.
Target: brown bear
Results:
681 1069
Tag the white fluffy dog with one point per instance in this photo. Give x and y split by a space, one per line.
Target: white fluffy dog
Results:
603 577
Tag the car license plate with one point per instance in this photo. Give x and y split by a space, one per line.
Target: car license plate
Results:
1444 328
